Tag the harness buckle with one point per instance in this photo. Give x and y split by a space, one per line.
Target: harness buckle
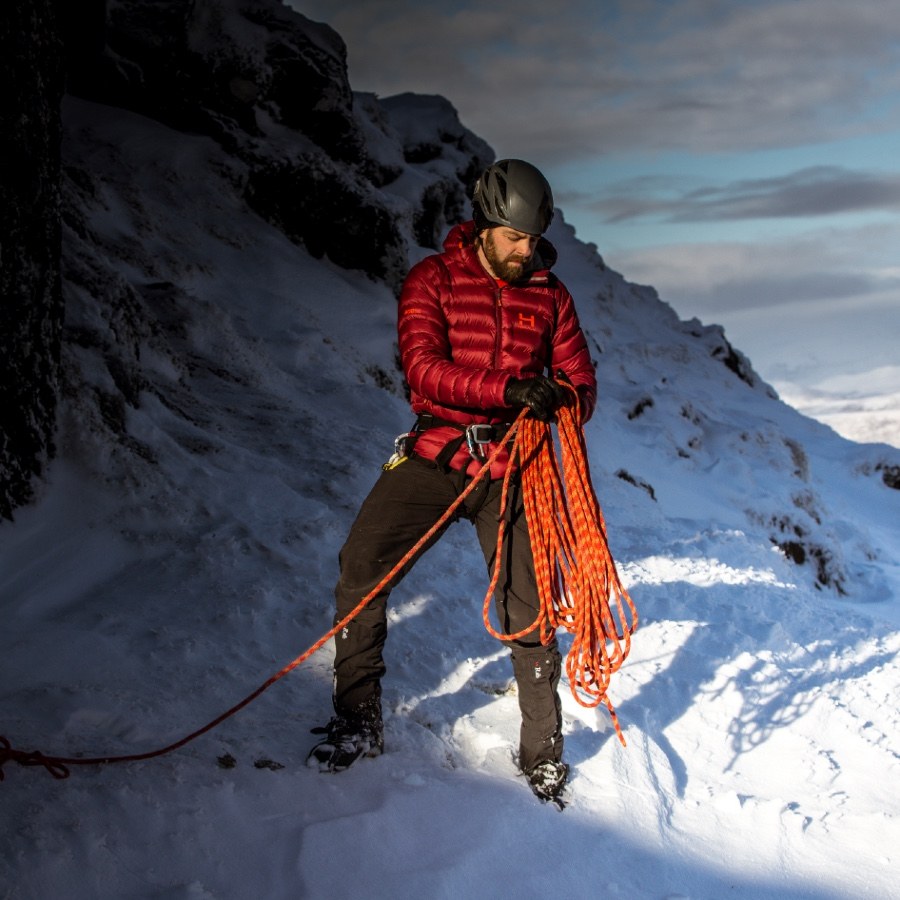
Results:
477 435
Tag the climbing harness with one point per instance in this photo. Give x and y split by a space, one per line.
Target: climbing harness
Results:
575 572
477 436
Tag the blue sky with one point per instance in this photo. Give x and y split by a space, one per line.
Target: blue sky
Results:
741 157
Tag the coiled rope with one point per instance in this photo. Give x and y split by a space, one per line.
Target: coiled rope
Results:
575 573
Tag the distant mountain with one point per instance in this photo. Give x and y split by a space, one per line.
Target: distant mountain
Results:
862 407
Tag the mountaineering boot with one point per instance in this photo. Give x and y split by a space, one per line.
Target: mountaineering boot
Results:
349 736
547 781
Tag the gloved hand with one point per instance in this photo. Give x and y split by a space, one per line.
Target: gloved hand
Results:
542 395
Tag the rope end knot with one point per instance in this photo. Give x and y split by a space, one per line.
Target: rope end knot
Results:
30 758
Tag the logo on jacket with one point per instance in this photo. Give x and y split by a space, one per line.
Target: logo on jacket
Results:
527 321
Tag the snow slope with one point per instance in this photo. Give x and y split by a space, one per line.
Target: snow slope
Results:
176 562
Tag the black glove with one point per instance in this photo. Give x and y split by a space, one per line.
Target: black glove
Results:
542 395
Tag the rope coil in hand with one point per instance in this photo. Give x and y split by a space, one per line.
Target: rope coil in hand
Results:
576 575
575 572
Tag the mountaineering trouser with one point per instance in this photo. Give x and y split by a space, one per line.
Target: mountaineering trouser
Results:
403 504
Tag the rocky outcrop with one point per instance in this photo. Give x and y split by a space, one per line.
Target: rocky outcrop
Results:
30 299
271 87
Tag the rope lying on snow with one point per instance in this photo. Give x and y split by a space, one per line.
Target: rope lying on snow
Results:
58 766
575 574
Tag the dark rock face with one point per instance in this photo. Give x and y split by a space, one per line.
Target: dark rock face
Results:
271 87
890 475
30 299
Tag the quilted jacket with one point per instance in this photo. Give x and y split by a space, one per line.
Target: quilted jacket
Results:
463 335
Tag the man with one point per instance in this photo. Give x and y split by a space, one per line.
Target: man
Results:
479 327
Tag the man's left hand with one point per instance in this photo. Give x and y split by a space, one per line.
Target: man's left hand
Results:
542 395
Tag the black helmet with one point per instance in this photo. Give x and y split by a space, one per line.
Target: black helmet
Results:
514 193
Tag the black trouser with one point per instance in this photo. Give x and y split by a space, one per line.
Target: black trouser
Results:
403 504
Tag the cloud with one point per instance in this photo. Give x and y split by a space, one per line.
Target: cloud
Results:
810 192
802 309
864 406
579 79
824 271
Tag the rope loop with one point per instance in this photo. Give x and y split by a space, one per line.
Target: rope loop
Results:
578 585
29 758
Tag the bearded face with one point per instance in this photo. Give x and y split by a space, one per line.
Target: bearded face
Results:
507 251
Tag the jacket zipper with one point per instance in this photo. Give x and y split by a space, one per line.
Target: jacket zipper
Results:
498 312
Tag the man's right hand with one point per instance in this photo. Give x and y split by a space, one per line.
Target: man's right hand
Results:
541 395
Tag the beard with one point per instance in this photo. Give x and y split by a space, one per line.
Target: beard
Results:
509 268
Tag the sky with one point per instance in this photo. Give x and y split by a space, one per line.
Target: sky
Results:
738 156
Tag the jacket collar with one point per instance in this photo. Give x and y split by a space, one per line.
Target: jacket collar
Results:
460 245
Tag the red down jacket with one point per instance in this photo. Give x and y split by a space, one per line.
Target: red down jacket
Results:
463 335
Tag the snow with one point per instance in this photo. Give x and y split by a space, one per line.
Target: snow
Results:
159 580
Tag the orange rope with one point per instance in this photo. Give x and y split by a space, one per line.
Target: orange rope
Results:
577 581
572 561
57 766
